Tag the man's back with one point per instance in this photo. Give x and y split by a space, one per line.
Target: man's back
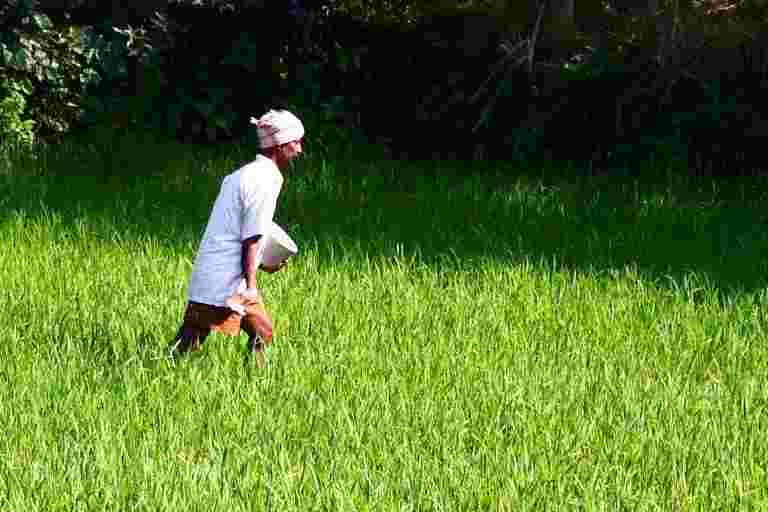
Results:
243 208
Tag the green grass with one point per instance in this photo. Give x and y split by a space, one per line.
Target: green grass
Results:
516 340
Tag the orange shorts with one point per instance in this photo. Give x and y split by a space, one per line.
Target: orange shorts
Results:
201 319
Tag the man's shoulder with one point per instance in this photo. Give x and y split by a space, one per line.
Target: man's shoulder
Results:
262 169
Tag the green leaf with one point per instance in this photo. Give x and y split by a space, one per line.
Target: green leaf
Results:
220 122
6 54
19 58
206 109
41 22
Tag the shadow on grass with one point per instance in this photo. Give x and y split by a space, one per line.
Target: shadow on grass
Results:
669 233
437 213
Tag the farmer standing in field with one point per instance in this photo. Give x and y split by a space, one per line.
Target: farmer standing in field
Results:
222 293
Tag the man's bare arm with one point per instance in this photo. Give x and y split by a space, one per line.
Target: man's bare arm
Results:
251 259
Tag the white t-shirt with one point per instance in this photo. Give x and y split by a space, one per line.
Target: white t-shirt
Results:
244 208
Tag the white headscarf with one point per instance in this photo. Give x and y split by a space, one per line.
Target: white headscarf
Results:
278 127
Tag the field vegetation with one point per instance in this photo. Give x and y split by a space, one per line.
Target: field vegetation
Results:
451 336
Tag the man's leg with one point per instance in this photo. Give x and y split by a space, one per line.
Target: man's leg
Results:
188 339
255 352
198 321
258 326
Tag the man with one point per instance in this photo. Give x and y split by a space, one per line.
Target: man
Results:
222 294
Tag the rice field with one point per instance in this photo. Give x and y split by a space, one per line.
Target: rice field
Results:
450 337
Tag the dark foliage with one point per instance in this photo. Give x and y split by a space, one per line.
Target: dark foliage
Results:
608 92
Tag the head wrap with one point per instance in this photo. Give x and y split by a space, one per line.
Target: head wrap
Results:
278 127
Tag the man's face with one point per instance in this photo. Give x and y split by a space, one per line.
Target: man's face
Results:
288 151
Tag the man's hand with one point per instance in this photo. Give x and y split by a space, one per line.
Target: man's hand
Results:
238 301
274 269
252 294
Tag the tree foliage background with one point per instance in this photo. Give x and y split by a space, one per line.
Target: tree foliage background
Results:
605 83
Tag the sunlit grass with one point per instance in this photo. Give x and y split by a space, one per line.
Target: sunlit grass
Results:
516 340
